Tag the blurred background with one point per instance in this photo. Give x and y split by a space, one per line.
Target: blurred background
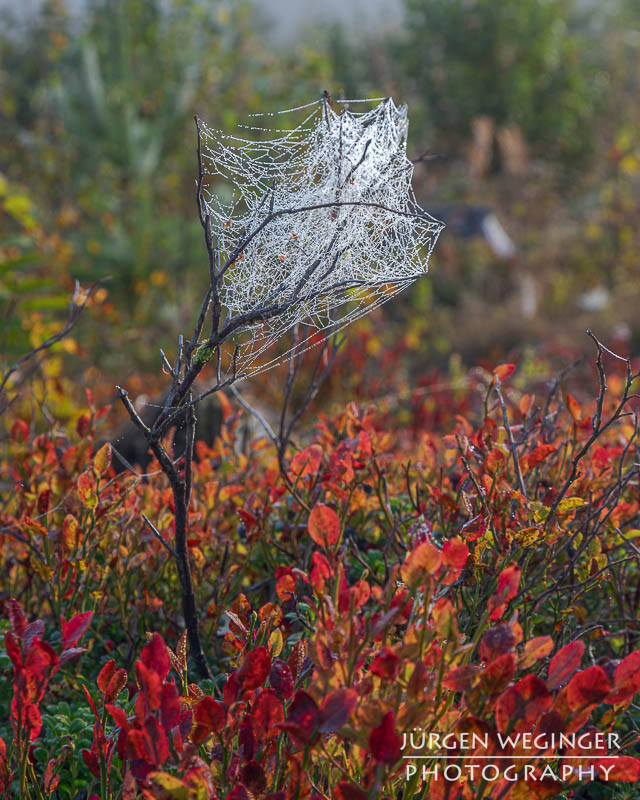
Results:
527 111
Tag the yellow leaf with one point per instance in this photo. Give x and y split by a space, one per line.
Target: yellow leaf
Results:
102 459
569 503
168 787
527 536
229 491
42 570
276 643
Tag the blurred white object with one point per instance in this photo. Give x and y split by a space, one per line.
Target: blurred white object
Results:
497 238
595 299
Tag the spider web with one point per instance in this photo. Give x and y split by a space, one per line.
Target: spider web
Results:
315 227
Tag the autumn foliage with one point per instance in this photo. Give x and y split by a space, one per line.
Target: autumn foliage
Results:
426 571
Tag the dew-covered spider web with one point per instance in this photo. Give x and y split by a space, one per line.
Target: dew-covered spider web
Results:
316 225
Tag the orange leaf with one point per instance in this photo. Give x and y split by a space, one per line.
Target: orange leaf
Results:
526 403
102 459
421 564
455 553
229 491
538 455
306 462
574 408
69 537
86 490
534 650
504 371
324 526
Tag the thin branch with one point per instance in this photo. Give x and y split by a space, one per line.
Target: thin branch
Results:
75 310
512 444
158 535
480 493
17 535
254 413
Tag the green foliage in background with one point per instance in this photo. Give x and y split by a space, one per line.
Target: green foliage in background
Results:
96 130
525 62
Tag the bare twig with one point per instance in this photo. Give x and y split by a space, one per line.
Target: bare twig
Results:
75 310
158 535
512 444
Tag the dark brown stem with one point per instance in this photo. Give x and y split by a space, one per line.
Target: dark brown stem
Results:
181 490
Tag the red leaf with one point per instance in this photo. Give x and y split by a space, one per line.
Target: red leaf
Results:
33 722
239 792
155 657
286 587
119 717
17 619
155 741
19 431
40 663
34 630
455 553
348 791
521 705
588 687
249 519
51 780
324 526
626 679
70 653
384 743
496 642
75 628
620 768
209 717
90 701
306 462
302 718
508 584
169 707
13 650
92 762
105 675
628 669
538 455
336 709
253 777
461 678
504 371
267 715
231 689
150 684
321 571
116 685
386 665
255 669
497 675
44 499
281 679
565 662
